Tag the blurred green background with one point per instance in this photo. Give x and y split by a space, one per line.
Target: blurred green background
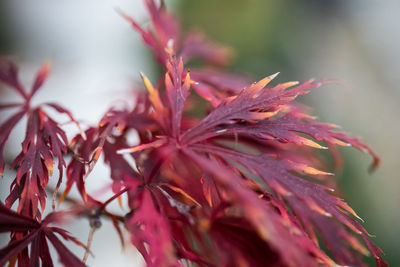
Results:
353 41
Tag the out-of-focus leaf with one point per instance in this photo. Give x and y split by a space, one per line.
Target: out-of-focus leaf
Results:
29 232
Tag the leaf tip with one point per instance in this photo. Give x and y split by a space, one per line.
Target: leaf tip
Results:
46 66
124 151
273 76
311 143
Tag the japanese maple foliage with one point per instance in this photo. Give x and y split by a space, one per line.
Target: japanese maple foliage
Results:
244 185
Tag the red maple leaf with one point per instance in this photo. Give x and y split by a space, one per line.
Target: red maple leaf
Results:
44 141
248 146
28 233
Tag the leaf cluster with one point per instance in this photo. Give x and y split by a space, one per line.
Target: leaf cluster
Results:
241 186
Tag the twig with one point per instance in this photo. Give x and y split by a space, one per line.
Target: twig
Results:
114 197
73 201
89 243
55 193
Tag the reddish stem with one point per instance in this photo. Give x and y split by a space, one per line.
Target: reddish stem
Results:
113 197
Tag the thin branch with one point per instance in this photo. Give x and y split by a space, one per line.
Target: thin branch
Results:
73 201
93 228
55 193
113 197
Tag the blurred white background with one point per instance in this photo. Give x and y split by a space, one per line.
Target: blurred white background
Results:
96 57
